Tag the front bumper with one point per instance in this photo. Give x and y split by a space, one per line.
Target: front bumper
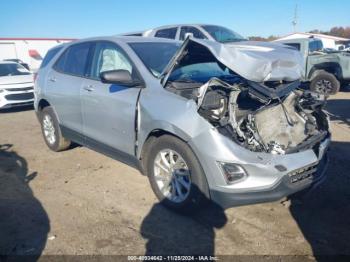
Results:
13 97
265 182
284 188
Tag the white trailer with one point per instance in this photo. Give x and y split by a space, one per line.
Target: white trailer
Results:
29 50
328 41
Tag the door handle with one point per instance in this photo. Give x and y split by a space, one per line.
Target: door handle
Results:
52 79
89 88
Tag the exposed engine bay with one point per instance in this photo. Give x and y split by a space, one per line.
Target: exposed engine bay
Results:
287 122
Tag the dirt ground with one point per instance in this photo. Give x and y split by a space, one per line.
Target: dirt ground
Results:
81 202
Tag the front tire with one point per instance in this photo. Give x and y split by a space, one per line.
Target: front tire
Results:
51 131
325 83
175 174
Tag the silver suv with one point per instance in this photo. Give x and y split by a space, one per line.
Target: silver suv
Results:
202 119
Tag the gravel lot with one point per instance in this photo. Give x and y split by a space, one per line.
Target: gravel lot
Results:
81 202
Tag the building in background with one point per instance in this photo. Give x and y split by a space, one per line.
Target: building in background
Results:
328 41
30 50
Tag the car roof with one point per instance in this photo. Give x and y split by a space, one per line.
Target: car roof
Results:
163 27
12 59
131 33
127 39
176 25
7 62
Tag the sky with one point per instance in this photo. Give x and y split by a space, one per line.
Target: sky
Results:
79 18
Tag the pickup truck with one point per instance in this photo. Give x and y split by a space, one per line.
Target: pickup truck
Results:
325 72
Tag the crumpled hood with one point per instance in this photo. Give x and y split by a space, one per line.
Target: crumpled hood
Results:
19 79
260 61
254 61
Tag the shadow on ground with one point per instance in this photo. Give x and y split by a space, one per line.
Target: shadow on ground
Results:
339 110
323 215
17 109
169 233
24 224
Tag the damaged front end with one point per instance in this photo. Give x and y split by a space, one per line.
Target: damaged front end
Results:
283 125
270 116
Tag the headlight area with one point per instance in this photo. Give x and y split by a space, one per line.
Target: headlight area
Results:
233 173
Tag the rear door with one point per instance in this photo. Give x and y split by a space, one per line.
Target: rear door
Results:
109 109
63 84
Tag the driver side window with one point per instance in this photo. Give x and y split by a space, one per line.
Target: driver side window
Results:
108 57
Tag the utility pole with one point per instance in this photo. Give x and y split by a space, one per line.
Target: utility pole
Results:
295 19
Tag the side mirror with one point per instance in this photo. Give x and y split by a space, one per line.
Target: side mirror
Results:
187 35
122 77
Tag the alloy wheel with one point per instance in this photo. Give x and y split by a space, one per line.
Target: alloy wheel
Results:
172 175
49 129
324 86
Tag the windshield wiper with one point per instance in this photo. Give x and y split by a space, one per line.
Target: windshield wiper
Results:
184 80
232 40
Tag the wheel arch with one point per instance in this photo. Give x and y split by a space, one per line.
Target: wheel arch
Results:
329 67
156 133
42 104
45 103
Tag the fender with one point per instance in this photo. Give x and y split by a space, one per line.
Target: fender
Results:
331 67
156 127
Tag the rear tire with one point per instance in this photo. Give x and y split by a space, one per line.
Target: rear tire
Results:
171 186
325 83
51 131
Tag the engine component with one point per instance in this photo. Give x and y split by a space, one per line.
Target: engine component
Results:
281 123
277 126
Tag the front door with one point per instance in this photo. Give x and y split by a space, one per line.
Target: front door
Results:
109 109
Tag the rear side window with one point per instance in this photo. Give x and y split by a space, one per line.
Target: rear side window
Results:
190 29
167 33
49 55
73 61
315 46
295 45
